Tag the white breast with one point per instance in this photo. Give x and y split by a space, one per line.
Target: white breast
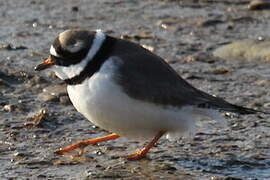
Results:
105 104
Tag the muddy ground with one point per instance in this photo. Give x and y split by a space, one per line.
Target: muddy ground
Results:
36 117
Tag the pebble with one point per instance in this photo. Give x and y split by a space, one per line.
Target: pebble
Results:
64 100
75 9
9 47
36 119
19 154
46 97
54 93
220 70
138 35
4 84
56 90
9 107
263 82
207 23
259 5
201 57
150 48
251 50
169 23
37 80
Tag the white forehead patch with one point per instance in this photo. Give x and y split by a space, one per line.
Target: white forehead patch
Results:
53 52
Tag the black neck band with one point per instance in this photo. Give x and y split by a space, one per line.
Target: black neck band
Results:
95 63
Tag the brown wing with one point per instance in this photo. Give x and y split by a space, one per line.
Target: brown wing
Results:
148 77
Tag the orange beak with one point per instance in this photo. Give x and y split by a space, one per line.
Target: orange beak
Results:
45 64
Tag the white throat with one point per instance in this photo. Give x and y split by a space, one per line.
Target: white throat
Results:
73 70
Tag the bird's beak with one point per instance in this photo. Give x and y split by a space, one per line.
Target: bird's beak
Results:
45 64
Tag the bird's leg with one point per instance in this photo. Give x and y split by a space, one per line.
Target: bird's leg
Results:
84 143
141 153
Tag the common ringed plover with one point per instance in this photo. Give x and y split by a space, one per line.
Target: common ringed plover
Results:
126 89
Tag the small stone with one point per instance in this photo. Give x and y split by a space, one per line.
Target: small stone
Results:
150 48
53 93
259 5
5 47
221 70
263 82
19 154
9 107
266 105
64 100
231 178
169 23
200 58
248 49
75 9
207 23
56 90
9 47
3 84
35 25
36 119
37 80
52 75
258 156
138 35
46 97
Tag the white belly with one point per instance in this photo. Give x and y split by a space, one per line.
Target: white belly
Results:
104 103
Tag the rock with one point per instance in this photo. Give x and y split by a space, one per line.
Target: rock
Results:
263 82
46 97
150 48
9 47
220 70
169 23
9 107
64 100
251 50
37 80
200 57
56 90
75 9
4 84
5 47
55 93
259 5
34 120
208 22
138 35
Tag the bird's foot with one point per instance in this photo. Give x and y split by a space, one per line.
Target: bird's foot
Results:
135 156
82 144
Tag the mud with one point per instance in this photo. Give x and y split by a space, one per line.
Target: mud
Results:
35 122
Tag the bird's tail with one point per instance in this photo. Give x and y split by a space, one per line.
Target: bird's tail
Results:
217 103
243 110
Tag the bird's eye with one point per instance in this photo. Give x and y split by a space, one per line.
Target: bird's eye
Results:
65 57
76 47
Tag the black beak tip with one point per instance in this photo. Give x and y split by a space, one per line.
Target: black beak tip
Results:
37 68
41 67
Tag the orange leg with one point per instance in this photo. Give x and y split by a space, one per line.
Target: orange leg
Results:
82 144
141 153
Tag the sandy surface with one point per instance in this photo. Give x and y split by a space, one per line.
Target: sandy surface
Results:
34 123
